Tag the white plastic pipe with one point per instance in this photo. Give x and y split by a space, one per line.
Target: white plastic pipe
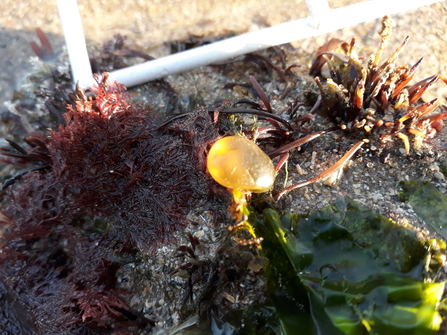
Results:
75 40
236 46
319 11
261 39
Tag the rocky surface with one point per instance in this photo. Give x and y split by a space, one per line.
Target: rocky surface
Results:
152 28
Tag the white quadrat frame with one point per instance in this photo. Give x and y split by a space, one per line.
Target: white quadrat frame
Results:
322 20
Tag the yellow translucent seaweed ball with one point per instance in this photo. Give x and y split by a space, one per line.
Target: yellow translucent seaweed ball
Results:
237 162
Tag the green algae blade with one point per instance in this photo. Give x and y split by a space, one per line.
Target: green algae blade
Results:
428 203
348 270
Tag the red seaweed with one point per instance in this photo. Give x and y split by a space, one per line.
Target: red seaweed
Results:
110 161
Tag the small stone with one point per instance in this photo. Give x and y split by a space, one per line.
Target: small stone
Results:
199 234
438 175
434 167
184 103
299 170
135 300
313 159
256 264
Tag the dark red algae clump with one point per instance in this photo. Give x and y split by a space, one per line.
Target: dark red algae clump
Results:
111 161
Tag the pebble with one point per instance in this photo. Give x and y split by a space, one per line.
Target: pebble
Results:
184 103
313 159
438 175
434 167
299 170
199 234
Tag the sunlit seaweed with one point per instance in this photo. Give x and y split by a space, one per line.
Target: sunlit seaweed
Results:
377 98
372 102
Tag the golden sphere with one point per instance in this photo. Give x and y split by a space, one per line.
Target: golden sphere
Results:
236 162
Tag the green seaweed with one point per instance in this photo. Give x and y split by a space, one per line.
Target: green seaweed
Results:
428 203
348 270
259 320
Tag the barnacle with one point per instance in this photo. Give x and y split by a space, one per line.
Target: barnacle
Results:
376 97
237 162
